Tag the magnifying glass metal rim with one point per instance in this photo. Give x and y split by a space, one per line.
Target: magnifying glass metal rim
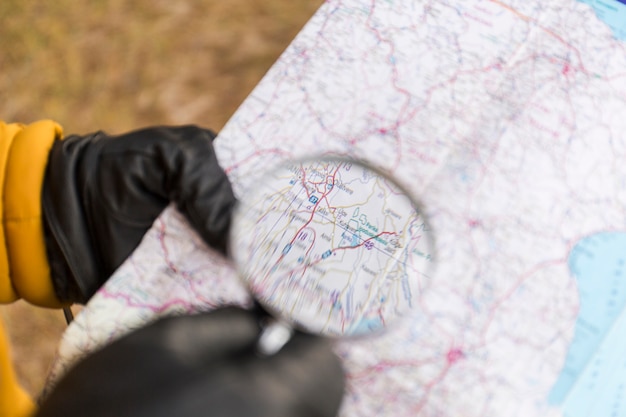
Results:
277 330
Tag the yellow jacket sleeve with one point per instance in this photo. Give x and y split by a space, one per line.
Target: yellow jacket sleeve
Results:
24 268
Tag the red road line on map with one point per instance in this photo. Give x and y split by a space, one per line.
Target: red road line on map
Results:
548 31
405 108
384 364
496 306
305 225
256 154
130 301
166 254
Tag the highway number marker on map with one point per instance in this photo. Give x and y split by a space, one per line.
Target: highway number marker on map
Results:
332 246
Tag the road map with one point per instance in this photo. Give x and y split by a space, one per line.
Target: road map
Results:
506 118
332 246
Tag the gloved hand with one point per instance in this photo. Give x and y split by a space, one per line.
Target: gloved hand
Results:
203 365
102 193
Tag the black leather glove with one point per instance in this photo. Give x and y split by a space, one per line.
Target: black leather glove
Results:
203 365
102 193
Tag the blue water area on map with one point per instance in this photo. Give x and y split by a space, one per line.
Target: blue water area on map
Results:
611 12
593 379
366 326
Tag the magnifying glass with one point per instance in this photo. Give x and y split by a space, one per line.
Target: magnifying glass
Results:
330 246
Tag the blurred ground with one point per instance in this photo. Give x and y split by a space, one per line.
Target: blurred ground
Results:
116 65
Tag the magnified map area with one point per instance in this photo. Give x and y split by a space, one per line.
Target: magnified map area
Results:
332 246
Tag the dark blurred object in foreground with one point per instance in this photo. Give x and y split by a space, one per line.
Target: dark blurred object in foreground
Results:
202 365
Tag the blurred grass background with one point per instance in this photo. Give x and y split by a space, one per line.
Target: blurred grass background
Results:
118 65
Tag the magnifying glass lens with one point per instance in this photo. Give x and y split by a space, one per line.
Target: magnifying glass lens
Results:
332 246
